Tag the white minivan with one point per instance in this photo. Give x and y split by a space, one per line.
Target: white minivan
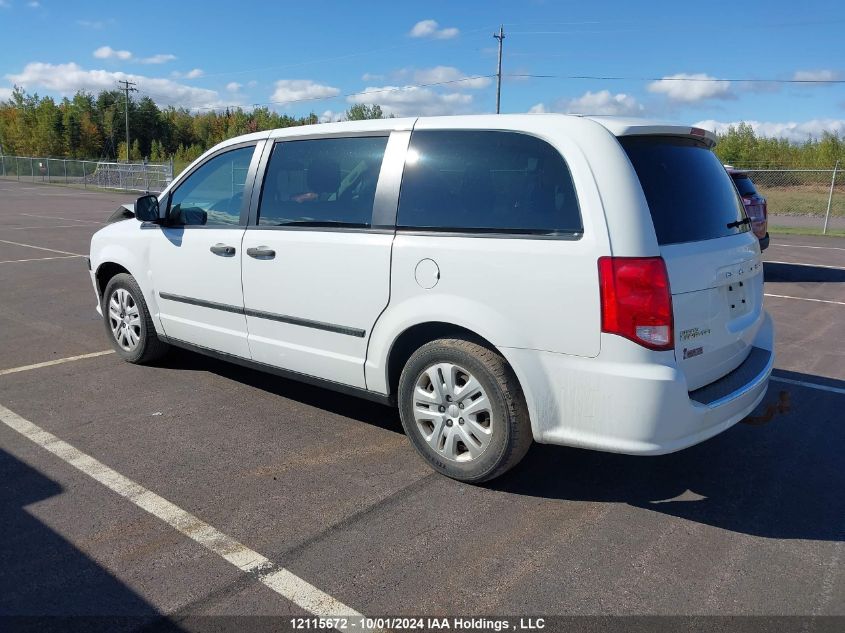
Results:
583 281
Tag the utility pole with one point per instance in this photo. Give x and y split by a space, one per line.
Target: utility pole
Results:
501 37
127 87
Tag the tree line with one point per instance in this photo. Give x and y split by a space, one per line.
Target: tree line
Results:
741 147
93 127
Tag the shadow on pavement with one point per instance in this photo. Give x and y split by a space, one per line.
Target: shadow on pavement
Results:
782 480
774 272
46 583
338 403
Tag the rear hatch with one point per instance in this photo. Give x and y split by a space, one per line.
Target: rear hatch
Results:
713 261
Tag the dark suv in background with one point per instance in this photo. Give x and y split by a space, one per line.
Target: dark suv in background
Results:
755 205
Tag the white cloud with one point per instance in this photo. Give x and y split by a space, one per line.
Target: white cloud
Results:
66 79
107 52
5 94
233 86
689 88
412 101
288 90
601 102
194 74
430 28
795 131
160 58
440 74
371 77
816 75
330 115
4 4
33 4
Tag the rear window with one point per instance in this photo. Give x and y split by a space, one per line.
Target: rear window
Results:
689 193
744 184
487 182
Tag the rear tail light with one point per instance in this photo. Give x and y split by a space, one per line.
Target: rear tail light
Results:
635 300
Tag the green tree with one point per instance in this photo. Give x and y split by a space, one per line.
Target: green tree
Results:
362 111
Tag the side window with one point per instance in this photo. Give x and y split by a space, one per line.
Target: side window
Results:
486 181
322 182
212 195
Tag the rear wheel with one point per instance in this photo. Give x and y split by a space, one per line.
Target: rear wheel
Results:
463 410
128 322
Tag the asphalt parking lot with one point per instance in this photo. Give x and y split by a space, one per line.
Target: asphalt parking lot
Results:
325 486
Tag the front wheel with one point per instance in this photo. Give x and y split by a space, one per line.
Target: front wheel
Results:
128 322
463 410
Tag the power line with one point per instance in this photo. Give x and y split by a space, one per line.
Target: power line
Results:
490 76
338 96
708 79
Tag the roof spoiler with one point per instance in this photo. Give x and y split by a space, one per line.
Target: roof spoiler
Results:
642 127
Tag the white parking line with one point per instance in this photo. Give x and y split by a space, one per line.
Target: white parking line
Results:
58 361
51 190
37 259
60 226
804 264
41 248
58 217
841 303
811 385
827 248
277 578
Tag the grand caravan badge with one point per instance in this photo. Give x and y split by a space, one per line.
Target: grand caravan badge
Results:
694 333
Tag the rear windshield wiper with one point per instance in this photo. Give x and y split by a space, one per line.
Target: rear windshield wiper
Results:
733 225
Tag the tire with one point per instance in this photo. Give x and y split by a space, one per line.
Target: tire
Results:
494 434
135 341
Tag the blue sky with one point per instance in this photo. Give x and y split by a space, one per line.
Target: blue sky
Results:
306 56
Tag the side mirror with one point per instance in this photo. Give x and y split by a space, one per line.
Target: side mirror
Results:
146 209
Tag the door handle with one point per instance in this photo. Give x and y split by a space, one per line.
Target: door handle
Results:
223 250
261 252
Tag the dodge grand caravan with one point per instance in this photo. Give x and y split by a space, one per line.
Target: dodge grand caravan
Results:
583 281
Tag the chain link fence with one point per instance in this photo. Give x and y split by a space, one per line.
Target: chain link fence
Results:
812 198
802 197
151 177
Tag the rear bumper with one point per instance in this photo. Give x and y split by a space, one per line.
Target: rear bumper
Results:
638 408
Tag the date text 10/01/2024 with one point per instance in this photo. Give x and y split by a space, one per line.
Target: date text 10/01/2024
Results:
417 623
